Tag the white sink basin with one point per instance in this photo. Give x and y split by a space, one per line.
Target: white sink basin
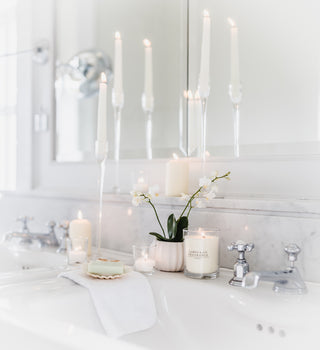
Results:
18 264
192 314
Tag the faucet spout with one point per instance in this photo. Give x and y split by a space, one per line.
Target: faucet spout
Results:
288 281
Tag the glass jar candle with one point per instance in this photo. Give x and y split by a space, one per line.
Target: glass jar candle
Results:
201 253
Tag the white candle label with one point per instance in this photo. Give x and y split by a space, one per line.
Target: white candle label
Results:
198 254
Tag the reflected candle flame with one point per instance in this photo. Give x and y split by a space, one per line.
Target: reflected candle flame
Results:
103 78
146 43
206 13
232 22
117 35
80 215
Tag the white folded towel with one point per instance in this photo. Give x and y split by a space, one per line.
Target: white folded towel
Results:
124 305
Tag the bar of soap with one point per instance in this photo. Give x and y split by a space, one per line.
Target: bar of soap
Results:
106 268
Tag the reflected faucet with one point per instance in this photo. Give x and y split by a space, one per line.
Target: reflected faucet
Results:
287 281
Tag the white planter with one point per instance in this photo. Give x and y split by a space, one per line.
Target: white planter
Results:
169 256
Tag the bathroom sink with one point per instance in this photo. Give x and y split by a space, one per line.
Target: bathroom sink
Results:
17 264
192 314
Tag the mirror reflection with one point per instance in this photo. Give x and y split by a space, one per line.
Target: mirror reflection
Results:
86 46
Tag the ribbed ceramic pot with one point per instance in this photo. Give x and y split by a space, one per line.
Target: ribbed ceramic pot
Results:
169 256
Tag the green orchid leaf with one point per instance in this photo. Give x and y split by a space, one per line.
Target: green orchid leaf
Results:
172 226
158 236
182 223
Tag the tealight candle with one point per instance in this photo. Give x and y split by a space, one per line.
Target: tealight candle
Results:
201 249
77 250
141 185
177 176
142 261
81 228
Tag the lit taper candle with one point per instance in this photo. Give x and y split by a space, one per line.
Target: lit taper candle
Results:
234 60
204 87
148 77
101 143
117 96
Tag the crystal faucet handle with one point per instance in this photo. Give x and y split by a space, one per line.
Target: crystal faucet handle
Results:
241 246
292 250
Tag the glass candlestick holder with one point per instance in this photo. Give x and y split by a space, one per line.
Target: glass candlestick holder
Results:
142 259
77 250
201 253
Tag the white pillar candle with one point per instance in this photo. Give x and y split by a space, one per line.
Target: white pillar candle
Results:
204 79
81 228
117 95
147 99
201 253
177 176
101 143
234 60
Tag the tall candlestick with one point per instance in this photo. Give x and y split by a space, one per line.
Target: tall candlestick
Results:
147 100
101 143
204 87
234 60
117 93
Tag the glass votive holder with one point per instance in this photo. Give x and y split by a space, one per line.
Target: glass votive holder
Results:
201 253
142 260
77 250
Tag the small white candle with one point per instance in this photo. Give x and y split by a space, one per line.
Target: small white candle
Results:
117 93
76 256
81 228
204 79
177 176
201 253
141 185
144 264
147 99
101 143
234 60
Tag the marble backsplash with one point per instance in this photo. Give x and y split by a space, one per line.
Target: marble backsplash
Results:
269 224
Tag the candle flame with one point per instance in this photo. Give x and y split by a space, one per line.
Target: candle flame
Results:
147 43
206 13
232 22
117 35
141 180
175 156
80 215
190 96
103 78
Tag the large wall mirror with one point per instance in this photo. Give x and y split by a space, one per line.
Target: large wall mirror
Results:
279 70
85 29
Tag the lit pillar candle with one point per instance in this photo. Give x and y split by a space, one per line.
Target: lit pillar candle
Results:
201 252
177 177
234 60
117 95
101 143
204 87
80 228
147 99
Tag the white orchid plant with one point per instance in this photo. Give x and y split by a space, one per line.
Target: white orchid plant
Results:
207 190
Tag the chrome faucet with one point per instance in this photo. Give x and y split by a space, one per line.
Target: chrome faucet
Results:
241 267
48 239
65 234
287 281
